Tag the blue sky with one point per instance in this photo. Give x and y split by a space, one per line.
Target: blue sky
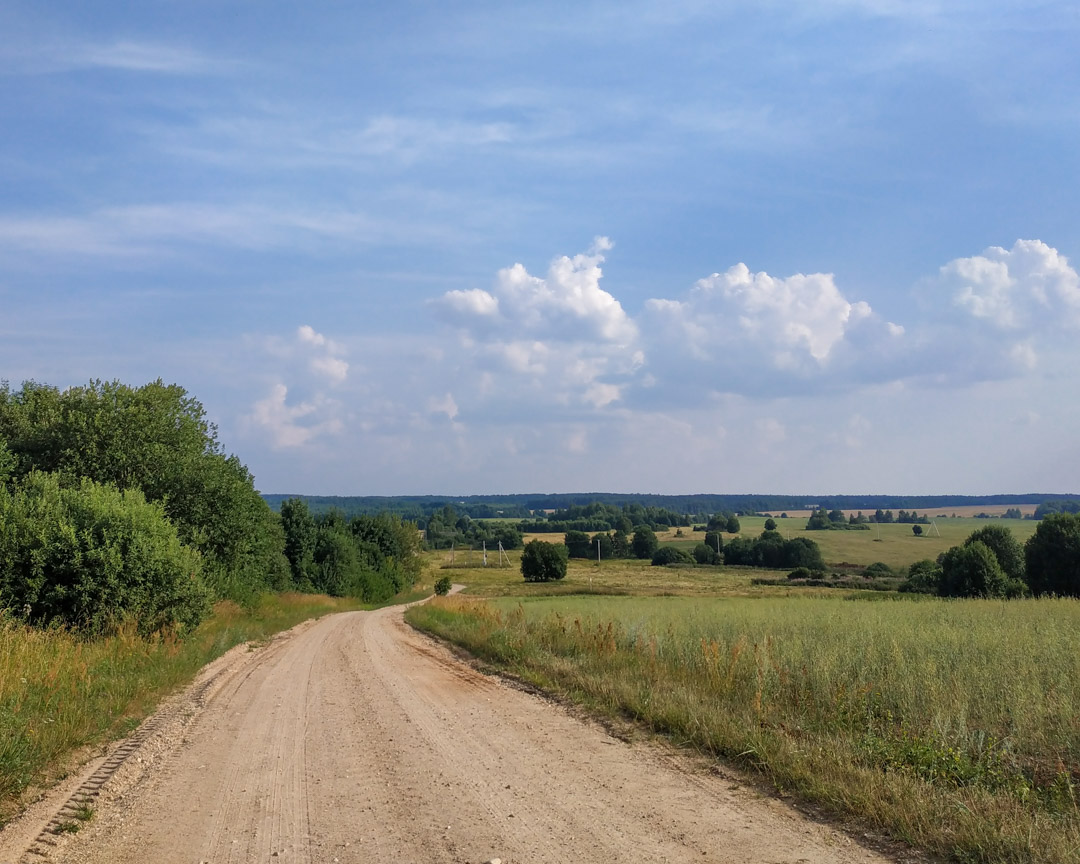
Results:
482 247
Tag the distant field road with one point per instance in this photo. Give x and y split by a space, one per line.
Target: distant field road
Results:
355 739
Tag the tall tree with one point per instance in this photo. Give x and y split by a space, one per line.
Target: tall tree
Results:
301 536
1053 556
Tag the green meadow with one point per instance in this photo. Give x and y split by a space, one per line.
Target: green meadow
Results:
953 725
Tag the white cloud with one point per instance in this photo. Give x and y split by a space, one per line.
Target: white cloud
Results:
473 302
334 369
306 333
1022 289
285 424
566 305
153 230
446 405
795 322
40 56
568 342
308 363
569 337
143 57
323 359
748 332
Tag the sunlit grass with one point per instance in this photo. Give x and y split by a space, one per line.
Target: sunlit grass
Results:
952 724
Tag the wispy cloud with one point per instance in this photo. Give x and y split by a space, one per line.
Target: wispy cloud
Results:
161 229
127 55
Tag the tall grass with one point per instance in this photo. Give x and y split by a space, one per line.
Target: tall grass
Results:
59 692
952 725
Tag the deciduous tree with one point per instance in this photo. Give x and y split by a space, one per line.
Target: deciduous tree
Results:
543 562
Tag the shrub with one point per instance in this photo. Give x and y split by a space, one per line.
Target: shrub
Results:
972 570
715 541
733 526
878 569
770 524
644 543
443 586
705 554
670 555
924 577
607 546
803 573
91 557
740 551
803 552
578 544
543 562
1052 554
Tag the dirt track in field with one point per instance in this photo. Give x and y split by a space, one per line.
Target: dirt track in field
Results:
356 739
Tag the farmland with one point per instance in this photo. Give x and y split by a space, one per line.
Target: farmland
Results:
951 724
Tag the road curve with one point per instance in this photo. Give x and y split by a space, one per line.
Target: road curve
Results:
356 739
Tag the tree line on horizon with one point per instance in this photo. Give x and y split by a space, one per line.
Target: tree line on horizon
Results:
418 508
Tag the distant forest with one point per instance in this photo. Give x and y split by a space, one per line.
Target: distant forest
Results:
419 508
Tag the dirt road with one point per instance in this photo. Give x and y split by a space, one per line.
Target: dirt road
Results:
355 739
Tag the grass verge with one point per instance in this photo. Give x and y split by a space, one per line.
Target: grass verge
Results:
60 692
954 726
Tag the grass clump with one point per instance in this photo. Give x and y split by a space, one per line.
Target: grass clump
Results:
954 725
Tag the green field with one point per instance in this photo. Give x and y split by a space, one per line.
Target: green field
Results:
892 543
951 724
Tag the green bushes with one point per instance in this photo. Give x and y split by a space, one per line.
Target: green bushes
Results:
91 557
771 550
670 555
156 439
924 577
371 558
991 563
644 543
543 562
1053 556
578 544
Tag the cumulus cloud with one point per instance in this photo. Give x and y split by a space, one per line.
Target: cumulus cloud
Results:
993 315
323 355
569 337
752 332
566 305
561 344
291 425
1028 287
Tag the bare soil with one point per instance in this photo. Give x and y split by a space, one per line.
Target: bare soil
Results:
356 739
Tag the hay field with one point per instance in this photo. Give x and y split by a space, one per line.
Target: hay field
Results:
950 724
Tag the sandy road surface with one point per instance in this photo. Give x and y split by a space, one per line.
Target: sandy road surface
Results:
355 739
